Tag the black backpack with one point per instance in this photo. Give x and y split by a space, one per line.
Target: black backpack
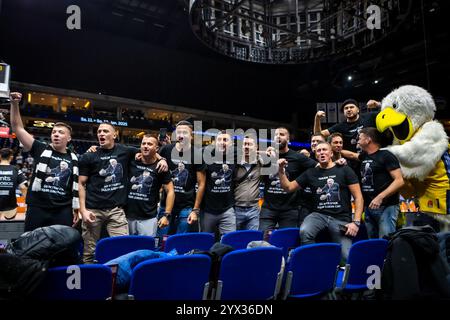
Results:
414 268
19 277
58 245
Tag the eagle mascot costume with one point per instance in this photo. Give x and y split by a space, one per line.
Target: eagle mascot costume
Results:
421 146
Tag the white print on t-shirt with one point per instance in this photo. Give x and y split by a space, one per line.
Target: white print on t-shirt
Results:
58 176
329 194
141 185
357 130
6 179
275 184
222 179
113 174
180 176
367 176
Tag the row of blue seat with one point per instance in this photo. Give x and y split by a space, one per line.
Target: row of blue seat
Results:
244 274
113 247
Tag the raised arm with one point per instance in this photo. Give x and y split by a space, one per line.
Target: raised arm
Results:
16 122
318 125
288 186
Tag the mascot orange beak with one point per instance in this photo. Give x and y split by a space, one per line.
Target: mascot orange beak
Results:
400 125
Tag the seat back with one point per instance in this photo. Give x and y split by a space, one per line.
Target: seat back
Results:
171 278
113 247
77 282
240 239
363 254
185 242
286 239
312 269
250 274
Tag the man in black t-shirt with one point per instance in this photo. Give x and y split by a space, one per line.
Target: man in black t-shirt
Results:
330 211
143 193
280 207
10 180
48 203
381 180
349 129
186 171
218 203
103 189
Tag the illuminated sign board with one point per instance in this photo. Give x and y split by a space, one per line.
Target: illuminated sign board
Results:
96 120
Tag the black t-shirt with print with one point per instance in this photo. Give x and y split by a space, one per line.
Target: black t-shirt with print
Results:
275 198
375 176
107 172
143 190
183 171
10 179
56 188
350 130
219 193
330 190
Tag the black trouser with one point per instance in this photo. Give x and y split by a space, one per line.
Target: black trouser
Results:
268 219
37 217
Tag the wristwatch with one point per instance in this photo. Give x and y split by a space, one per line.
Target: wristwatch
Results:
358 223
167 214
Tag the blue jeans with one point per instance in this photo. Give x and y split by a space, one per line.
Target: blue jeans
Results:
178 221
247 218
382 221
316 222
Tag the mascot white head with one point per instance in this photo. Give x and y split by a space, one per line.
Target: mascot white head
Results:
419 142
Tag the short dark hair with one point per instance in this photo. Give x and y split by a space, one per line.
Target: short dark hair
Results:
373 134
185 123
335 134
65 125
349 101
318 134
5 153
149 135
109 124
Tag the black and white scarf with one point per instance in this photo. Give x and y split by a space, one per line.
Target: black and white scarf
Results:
41 174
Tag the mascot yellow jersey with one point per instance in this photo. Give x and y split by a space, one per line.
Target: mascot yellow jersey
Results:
421 146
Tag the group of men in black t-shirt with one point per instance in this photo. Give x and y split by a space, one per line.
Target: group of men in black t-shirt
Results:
119 186
376 178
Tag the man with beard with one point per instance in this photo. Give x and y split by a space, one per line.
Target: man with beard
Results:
349 129
186 173
280 207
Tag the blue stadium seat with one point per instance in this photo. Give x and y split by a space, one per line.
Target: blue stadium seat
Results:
311 271
113 247
171 278
362 254
185 242
240 239
287 239
250 274
79 282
